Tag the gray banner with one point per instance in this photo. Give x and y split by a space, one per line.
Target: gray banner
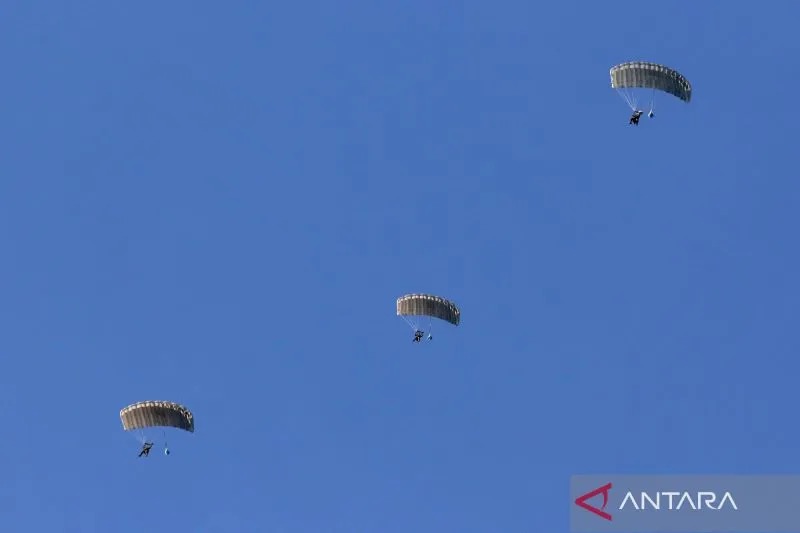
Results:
690 504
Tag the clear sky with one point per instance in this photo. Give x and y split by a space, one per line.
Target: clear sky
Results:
218 204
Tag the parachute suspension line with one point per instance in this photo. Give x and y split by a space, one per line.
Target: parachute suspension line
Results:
623 96
628 97
410 324
653 101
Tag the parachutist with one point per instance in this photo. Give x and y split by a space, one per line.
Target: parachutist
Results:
631 79
146 449
429 306
155 414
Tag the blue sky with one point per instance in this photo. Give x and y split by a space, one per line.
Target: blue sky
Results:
219 206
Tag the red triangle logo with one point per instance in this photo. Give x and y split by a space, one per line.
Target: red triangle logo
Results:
581 501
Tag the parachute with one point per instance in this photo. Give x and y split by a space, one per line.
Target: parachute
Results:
630 78
144 416
411 306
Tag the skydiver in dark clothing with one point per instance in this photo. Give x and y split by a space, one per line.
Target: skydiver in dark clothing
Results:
146 449
635 118
418 336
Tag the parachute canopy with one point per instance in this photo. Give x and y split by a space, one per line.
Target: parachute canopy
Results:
428 305
644 75
157 414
